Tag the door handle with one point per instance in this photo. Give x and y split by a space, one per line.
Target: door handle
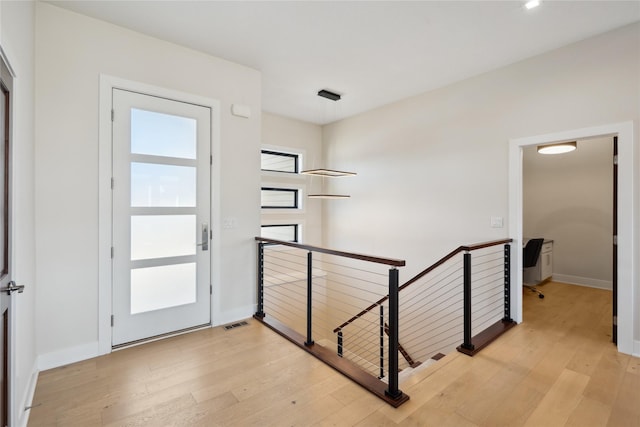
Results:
205 237
12 287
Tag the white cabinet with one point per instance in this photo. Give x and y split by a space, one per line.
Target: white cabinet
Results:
545 262
543 270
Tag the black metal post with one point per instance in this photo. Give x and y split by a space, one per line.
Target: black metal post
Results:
507 283
309 340
340 338
381 342
467 302
260 280
393 390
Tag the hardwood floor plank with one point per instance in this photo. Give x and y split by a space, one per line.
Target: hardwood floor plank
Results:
559 403
625 410
589 413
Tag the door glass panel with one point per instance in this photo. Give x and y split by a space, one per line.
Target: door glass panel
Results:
166 286
159 236
161 134
162 185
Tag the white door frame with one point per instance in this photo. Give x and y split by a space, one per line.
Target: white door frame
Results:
627 221
105 229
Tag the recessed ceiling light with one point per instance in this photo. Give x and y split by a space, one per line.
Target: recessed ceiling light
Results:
532 3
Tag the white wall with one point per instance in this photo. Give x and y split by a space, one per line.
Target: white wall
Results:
433 169
568 198
17 40
305 138
72 51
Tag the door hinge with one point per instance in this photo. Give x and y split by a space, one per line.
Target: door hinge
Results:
615 159
615 240
210 289
112 320
211 159
210 234
112 183
615 320
111 252
112 114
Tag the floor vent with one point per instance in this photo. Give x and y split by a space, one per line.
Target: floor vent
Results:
234 325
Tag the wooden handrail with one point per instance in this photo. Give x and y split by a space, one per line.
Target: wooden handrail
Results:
368 258
466 248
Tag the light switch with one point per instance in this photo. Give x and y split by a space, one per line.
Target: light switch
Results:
228 223
497 222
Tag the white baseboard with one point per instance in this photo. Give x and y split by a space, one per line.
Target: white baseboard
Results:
636 349
583 281
68 355
234 315
21 417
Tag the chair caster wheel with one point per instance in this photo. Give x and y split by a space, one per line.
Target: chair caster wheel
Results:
540 296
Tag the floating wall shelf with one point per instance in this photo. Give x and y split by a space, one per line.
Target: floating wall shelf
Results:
328 196
327 173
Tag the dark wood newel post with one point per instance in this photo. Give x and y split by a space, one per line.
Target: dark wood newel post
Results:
309 340
260 280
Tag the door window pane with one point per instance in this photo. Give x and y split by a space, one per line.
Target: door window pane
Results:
162 185
155 288
160 236
161 134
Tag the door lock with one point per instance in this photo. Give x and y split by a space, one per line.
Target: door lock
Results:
12 287
205 237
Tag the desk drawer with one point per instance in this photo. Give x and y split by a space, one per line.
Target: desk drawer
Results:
547 247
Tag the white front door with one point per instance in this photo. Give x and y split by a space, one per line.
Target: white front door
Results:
161 215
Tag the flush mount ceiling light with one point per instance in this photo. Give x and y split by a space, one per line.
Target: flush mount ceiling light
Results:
327 173
559 148
329 95
531 4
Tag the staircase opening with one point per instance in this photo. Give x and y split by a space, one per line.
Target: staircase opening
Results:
350 311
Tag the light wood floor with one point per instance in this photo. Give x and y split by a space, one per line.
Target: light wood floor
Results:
558 368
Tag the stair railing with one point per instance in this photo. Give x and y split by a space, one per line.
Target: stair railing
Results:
464 296
302 289
457 298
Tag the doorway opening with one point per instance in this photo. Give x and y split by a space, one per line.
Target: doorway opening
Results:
626 223
567 201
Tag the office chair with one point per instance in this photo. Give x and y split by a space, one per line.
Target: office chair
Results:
530 255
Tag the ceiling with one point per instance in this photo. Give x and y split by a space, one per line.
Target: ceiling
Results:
371 52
